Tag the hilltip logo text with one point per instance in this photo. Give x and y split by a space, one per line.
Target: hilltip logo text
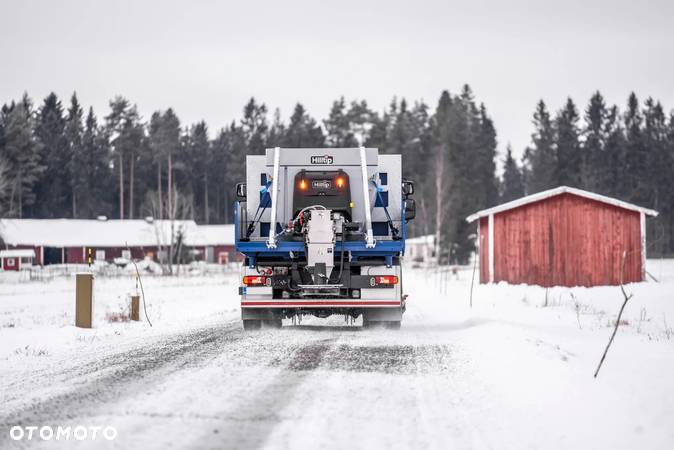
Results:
59 433
323 160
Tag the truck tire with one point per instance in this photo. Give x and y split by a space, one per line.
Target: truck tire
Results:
252 324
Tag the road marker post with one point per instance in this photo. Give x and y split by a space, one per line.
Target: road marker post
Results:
135 307
84 300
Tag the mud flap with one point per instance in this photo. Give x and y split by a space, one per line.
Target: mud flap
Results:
257 313
383 314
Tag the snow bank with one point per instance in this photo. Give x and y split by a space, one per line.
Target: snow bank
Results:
514 371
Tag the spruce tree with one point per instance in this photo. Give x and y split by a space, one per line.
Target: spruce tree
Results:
21 157
440 185
235 141
276 130
655 146
303 130
361 122
541 156
512 185
378 130
254 126
485 155
635 174
52 190
659 178
197 159
594 174
95 199
126 135
338 126
164 144
569 156
668 214
614 152
75 165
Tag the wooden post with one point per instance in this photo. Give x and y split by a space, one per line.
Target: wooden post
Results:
135 308
84 304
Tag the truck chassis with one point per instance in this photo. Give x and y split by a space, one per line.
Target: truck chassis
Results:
323 256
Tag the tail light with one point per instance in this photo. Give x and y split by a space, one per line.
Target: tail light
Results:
386 279
255 280
303 184
340 182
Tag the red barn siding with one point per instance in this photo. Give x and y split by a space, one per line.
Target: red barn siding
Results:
75 255
229 250
565 240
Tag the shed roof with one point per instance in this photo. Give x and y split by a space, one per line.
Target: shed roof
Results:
18 253
558 191
213 235
110 233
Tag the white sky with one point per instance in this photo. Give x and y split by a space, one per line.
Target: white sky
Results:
206 58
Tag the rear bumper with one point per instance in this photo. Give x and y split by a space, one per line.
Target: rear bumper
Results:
322 303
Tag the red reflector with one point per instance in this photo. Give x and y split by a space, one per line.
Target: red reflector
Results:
386 279
254 280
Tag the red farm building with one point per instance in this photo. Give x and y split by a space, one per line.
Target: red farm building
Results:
67 241
15 259
562 237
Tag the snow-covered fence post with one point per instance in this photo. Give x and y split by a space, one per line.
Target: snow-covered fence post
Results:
140 282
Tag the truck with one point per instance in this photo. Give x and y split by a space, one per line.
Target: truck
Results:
322 232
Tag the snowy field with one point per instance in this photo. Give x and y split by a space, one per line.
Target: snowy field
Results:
512 372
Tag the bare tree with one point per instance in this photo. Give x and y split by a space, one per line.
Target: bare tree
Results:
170 233
620 314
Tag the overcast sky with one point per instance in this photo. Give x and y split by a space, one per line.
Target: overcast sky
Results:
206 58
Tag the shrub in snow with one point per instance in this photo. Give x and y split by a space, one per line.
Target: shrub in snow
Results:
31 351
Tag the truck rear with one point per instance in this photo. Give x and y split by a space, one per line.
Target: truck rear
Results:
323 233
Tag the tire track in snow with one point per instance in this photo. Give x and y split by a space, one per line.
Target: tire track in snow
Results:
123 375
259 413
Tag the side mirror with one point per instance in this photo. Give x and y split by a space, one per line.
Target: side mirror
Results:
408 188
241 192
410 209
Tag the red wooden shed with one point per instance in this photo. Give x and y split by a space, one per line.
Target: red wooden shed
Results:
562 237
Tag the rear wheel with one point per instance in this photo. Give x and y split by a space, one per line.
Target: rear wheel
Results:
252 324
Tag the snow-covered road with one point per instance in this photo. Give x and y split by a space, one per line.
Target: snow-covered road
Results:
508 373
